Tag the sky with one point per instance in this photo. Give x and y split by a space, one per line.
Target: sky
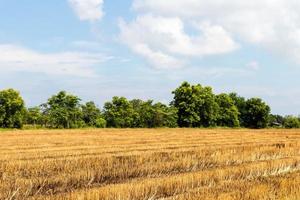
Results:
98 49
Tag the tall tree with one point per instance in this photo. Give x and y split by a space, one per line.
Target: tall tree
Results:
64 111
196 105
228 112
185 100
257 115
12 109
207 107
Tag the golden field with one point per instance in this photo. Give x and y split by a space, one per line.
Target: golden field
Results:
130 164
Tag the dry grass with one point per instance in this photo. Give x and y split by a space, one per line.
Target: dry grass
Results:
150 164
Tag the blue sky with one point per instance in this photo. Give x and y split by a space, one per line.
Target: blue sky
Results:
97 49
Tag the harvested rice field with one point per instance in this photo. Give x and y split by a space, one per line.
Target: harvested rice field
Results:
137 164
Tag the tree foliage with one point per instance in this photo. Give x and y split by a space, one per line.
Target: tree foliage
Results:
291 122
119 113
122 113
240 103
91 115
257 113
34 116
12 109
164 116
64 111
196 105
192 106
228 112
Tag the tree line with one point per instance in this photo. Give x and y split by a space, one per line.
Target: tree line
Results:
192 106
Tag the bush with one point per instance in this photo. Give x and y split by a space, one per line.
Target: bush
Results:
100 123
291 122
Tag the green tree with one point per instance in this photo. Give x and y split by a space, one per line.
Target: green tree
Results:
207 107
196 105
64 111
149 115
100 123
143 113
119 113
240 103
12 109
257 115
91 115
34 116
228 112
164 116
185 101
291 122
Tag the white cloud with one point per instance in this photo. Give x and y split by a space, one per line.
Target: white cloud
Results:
254 65
157 58
17 58
90 10
162 39
272 24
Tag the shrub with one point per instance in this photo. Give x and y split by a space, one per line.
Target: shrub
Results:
291 122
100 123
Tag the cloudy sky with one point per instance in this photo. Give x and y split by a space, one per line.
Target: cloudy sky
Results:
97 49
